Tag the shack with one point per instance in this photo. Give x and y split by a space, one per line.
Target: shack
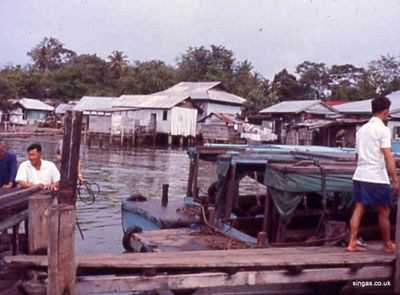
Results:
211 97
170 115
287 114
220 127
362 110
95 119
30 111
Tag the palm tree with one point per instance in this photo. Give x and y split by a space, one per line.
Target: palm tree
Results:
118 62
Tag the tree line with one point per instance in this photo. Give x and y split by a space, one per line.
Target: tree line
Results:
60 73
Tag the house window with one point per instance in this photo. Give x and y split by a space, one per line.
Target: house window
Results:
165 115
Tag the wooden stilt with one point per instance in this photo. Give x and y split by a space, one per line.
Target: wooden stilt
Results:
61 250
267 215
169 139
37 223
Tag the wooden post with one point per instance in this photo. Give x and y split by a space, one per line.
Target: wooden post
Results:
261 239
211 215
189 188
267 215
61 250
181 141
37 223
164 199
70 157
15 244
196 176
231 190
396 278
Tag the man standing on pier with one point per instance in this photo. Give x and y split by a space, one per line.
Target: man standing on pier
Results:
371 185
8 167
37 171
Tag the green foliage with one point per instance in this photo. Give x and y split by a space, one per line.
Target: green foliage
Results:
50 54
58 72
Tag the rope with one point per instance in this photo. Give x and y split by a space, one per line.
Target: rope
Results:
88 192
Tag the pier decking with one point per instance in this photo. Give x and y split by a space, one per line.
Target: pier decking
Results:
205 269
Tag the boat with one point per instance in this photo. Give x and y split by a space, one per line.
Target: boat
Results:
307 197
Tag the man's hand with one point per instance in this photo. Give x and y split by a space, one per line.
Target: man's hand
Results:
8 185
52 187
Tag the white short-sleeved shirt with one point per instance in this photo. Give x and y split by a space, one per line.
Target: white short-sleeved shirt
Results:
370 139
47 174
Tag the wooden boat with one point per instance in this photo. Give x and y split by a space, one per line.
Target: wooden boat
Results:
306 190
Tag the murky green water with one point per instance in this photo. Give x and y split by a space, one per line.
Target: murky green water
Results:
119 174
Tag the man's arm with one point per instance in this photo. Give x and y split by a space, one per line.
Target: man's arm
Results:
391 168
26 184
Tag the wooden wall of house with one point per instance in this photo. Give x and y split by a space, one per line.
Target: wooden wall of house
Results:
100 124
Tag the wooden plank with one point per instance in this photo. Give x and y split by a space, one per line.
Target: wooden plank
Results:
184 239
61 252
206 280
13 220
243 258
37 224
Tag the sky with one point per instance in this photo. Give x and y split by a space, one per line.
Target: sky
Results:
271 34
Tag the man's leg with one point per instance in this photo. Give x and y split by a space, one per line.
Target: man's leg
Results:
384 225
354 227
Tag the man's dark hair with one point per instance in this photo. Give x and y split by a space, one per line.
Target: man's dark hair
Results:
380 104
34 146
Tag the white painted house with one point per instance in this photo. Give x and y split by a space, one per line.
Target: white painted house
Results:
211 97
172 115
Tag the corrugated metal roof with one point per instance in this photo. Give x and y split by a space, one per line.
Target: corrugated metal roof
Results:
150 101
364 106
35 104
89 103
63 107
202 91
297 106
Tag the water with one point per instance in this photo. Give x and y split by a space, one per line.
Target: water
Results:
119 174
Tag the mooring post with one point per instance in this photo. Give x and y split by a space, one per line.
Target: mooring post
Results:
70 157
61 250
37 223
164 199
396 278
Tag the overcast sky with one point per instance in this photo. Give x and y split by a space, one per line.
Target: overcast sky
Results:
272 35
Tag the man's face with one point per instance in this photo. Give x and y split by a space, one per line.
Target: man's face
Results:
34 156
2 150
385 115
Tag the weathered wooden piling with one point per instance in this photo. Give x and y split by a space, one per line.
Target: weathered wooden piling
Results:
164 199
37 223
70 157
61 250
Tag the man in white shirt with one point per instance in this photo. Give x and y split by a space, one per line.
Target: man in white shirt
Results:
37 171
371 185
